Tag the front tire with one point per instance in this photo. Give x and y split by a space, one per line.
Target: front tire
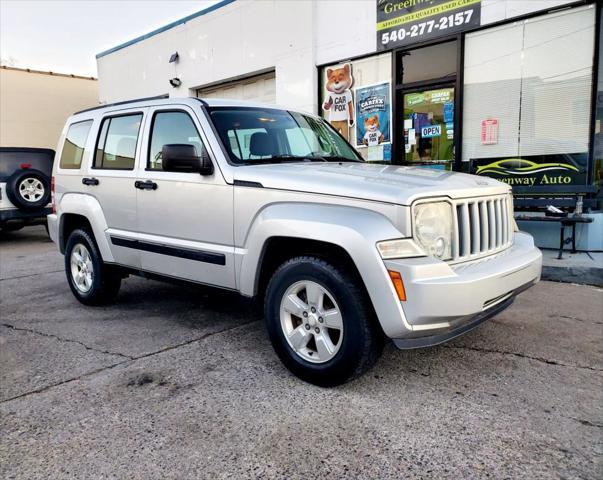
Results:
320 322
91 281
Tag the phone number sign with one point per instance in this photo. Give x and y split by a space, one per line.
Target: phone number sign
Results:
403 22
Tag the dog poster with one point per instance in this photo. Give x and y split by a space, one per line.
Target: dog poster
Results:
373 115
339 101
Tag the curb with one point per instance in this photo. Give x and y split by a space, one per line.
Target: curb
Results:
579 275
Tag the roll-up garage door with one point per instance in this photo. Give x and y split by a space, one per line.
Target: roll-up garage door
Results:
260 88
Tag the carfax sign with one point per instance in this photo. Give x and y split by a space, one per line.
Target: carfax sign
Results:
402 22
373 115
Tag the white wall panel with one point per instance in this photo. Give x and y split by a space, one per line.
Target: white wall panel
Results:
250 36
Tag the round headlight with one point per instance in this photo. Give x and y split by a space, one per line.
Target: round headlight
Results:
433 228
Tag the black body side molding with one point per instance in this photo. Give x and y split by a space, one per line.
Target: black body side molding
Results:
179 252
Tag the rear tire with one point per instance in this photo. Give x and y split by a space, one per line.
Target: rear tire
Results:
90 279
28 189
321 322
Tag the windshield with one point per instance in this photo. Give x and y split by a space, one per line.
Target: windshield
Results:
264 135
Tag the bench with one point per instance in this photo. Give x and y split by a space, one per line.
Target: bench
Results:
529 198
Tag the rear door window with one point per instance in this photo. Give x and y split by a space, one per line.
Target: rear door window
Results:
117 140
75 142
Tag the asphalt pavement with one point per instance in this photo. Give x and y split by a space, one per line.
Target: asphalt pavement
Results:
178 382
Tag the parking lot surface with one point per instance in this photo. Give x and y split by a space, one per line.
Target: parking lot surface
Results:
177 382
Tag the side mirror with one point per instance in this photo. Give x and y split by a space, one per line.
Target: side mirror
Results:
178 157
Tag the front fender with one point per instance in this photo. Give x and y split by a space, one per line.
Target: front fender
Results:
354 229
89 207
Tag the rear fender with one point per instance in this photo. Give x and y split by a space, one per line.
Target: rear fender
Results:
88 207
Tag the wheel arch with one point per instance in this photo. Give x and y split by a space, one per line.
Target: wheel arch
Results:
77 211
69 223
278 249
350 234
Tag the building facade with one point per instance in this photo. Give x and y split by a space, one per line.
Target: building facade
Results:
494 87
34 105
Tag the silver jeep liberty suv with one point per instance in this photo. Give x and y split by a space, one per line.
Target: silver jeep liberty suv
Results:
274 204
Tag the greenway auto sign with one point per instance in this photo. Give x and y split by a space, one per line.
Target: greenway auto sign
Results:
532 171
402 22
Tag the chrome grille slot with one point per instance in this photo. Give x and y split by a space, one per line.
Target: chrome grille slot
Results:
483 227
475 228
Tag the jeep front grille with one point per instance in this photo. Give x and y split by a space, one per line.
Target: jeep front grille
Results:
483 226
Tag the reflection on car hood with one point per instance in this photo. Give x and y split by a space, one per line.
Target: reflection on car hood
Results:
383 183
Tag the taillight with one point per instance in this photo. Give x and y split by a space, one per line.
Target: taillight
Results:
54 207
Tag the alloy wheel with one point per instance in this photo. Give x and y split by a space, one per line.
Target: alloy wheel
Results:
31 189
82 269
311 321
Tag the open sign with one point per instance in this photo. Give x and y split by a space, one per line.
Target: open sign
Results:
431 131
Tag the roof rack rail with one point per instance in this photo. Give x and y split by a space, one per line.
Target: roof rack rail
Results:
125 102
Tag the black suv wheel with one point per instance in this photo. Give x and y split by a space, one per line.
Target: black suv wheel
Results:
91 281
320 322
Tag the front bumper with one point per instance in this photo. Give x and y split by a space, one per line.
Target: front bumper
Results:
444 301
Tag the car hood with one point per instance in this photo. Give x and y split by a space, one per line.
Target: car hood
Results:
384 183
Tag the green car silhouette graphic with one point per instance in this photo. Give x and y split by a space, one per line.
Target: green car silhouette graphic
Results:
520 166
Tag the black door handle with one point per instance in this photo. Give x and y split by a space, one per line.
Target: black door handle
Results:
90 181
148 185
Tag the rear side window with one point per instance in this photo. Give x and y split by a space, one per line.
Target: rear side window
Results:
116 146
169 128
75 141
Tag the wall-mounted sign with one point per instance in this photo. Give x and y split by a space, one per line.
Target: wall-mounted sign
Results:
403 22
537 170
431 131
373 115
489 132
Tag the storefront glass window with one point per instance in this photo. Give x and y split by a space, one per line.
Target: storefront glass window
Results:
527 97
356 100
428 63
429 130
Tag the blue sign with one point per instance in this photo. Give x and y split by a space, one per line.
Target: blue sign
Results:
373 110
448 112
387 152
431 131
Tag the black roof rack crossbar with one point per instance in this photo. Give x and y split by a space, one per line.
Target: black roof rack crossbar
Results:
125 102
203 102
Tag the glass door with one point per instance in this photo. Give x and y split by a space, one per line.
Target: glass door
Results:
428 123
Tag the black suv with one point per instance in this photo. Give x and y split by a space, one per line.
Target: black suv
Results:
24 187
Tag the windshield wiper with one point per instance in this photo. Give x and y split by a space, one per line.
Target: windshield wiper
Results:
339 158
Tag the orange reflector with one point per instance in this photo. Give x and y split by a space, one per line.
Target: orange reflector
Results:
398 284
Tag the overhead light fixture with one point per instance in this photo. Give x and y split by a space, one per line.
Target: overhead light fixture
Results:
175 82
174 57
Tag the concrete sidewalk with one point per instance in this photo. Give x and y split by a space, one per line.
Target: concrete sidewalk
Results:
585 268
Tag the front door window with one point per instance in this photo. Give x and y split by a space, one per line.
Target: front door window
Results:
429 127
